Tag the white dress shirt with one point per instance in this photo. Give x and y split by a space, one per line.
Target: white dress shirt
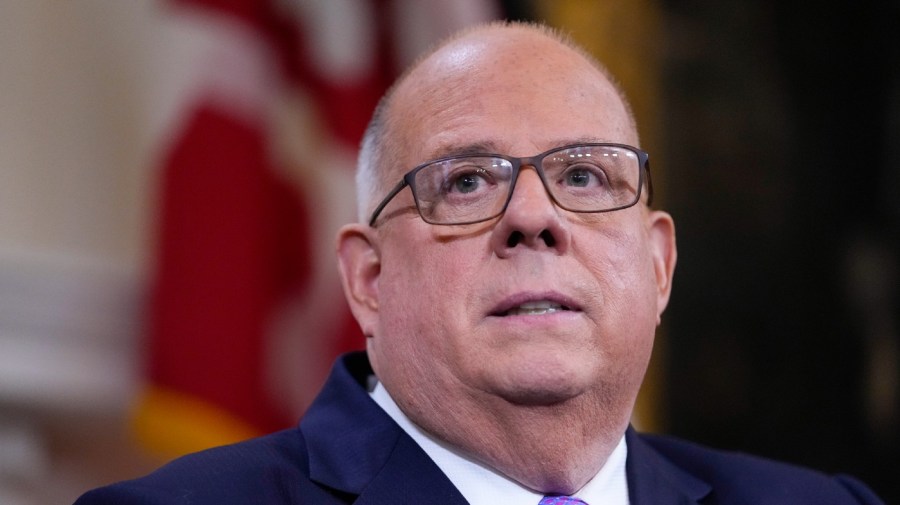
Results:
481 485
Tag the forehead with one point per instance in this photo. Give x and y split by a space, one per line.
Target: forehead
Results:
519 92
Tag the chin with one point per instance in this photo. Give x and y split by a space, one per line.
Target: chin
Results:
544 386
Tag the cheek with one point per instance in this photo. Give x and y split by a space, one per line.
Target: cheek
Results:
426 281
423 327
621 264
403 346
425 300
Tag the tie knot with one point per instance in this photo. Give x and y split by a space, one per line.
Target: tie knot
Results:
561 500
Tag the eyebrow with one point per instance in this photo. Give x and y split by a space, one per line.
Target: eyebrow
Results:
480 147
581 140
492 147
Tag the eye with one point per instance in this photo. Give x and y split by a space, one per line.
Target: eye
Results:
579 177
467 182
583 176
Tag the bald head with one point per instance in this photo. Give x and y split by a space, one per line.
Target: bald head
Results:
515 61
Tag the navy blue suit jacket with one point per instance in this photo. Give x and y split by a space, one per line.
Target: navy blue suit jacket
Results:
347 450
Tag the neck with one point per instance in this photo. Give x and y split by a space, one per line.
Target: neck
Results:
549 448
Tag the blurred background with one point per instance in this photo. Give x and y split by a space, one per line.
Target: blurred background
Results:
172 174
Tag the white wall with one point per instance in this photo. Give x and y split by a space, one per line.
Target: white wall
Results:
84 94
76 193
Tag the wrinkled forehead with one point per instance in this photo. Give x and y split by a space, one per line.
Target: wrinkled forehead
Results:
504 77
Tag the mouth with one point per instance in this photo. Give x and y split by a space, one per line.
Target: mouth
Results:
529 305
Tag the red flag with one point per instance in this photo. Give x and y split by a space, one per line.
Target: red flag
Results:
246 313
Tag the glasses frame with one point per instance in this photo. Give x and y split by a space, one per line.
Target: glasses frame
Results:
535 162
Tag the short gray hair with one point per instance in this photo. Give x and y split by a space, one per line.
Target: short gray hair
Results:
371 161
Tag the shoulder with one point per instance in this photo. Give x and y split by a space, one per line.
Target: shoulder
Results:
736 477
268 469
340 425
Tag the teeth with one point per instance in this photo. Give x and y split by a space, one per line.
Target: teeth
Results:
535 309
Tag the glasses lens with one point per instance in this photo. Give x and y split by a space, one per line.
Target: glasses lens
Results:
593 178
462 190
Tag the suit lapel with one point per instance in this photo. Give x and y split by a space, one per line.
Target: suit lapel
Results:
654 480
410 477
356 449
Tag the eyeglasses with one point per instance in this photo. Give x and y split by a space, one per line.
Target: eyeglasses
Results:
472 188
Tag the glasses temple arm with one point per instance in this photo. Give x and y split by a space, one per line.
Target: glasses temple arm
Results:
390 196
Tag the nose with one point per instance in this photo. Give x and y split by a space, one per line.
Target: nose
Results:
531 220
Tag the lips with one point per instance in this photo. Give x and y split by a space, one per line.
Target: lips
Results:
534 304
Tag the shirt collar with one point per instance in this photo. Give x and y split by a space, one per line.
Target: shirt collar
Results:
481 485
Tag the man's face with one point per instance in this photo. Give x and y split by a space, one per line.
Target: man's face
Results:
540 305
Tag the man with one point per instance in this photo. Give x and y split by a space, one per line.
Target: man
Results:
509 275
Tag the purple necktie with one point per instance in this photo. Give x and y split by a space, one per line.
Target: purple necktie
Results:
561 500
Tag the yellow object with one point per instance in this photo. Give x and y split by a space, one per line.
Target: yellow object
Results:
171 424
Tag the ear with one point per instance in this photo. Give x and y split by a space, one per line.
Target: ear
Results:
359 262
661 230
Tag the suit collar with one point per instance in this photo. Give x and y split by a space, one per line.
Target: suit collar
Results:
356 448
653 479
